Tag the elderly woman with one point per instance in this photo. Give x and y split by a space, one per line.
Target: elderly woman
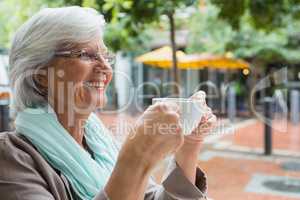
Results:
59 70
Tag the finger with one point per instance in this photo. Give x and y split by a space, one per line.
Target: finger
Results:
159 106
206 117
153 107
173 106
199 95
203 131
203 119
167 107
207 109
173 117
206 126
207 113
212 119
211 122
179 129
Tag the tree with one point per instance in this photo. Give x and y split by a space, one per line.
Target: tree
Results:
234 26
280 45
263 14
208 33
16 12
144 11
270 22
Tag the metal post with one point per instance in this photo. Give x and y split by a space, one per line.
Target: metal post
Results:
295 110
4 115
268 102
231 109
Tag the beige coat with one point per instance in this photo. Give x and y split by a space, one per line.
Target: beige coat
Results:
26 175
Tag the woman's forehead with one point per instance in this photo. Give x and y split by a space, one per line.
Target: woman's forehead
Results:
94 45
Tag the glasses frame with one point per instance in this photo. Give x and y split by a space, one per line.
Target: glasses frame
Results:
107 57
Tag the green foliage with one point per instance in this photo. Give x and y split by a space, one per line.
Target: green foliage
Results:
263 14
231 10
73 2
266 14
115 7
248 43
90 3
279 45
208 33
147 11
130 18
127 19
16 12
120 36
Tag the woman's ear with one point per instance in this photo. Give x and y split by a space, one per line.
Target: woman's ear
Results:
41 80
41 77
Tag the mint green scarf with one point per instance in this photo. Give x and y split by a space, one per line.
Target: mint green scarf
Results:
86 175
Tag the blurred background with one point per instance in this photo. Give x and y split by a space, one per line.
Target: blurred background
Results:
245 54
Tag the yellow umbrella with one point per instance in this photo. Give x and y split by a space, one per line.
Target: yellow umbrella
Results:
198 61
161 57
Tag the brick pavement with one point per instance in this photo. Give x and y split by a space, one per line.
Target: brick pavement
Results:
285 136
230 172
229 177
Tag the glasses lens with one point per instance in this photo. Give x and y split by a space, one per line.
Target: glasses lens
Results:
110 58
85 56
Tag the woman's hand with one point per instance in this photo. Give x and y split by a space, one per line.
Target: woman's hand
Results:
187 155
207 123
156 134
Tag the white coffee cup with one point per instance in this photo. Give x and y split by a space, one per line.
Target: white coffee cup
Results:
191 111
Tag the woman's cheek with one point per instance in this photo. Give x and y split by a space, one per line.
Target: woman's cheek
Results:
93 98
82 96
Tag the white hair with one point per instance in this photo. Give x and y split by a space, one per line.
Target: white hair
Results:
36 41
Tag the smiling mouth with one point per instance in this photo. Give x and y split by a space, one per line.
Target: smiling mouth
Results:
97 84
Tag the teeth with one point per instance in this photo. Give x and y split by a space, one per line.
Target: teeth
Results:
98 84
95 84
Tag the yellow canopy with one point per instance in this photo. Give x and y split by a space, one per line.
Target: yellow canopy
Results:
198 61
162 58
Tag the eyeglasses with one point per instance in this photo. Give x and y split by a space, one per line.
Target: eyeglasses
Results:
86 56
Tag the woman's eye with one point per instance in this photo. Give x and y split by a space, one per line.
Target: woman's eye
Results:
86 56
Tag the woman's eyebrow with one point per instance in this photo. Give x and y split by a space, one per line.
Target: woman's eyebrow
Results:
90 49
